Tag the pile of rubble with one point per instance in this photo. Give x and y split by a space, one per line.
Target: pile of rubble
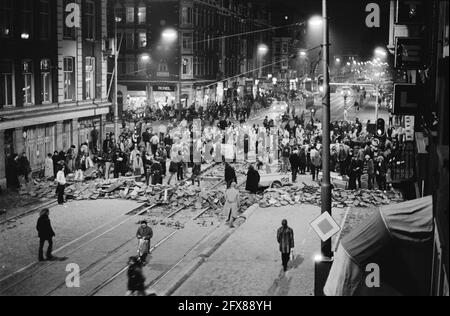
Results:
340 198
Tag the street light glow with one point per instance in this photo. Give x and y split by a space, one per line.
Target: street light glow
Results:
315 21
169 35
338 60
263 49
302 53
145 57
379 51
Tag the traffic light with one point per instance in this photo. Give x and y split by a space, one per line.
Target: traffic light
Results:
381 127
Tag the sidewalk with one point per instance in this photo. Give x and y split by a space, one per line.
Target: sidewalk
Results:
249 262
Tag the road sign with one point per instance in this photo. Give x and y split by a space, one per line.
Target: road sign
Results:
406 99
325 226
409 53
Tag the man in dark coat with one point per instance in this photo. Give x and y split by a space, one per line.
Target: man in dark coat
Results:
230 174
45 233
253 178
285 238
12 172
24 166
294 160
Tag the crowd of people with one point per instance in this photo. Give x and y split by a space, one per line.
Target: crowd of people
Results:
152 153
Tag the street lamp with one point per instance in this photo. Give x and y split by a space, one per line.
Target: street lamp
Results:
315 21
116 78
262 51
380 52
326 183
170 36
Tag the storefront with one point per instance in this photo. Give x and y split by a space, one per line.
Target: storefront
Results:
39 141
136 100
163 95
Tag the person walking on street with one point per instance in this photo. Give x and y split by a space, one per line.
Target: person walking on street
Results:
285 238
253 178
370 172
61 181
24 167
232 203
230 174
144 234
294 160
136 279
316 162
48 170
45 233
196 170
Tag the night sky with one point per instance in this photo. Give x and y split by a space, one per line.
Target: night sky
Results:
348 31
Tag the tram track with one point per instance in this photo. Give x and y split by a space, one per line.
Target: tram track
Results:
130 215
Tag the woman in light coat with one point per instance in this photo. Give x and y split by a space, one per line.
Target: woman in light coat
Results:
232 203
48 170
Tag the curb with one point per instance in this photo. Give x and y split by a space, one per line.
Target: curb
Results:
223 235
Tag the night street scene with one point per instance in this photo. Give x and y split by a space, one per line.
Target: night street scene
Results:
242 149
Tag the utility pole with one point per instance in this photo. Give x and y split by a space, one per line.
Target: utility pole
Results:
326 183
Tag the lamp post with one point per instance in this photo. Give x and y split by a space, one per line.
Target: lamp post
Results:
326 185
170 36
116 78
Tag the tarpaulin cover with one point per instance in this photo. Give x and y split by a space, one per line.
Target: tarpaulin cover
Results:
398 240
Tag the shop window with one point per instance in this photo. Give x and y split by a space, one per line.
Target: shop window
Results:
90 78
6 18
27 75
46 81
69 79
6 84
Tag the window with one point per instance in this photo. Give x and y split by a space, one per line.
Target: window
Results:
142 40
186 15
27 19
142 15
6 84
187 41
46 81
69 79
44 14
90 78
120 13
68 32
89 16
27 73
130 15
6 18
129 40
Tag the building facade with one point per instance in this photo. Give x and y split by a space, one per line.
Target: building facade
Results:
180 51
53 88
